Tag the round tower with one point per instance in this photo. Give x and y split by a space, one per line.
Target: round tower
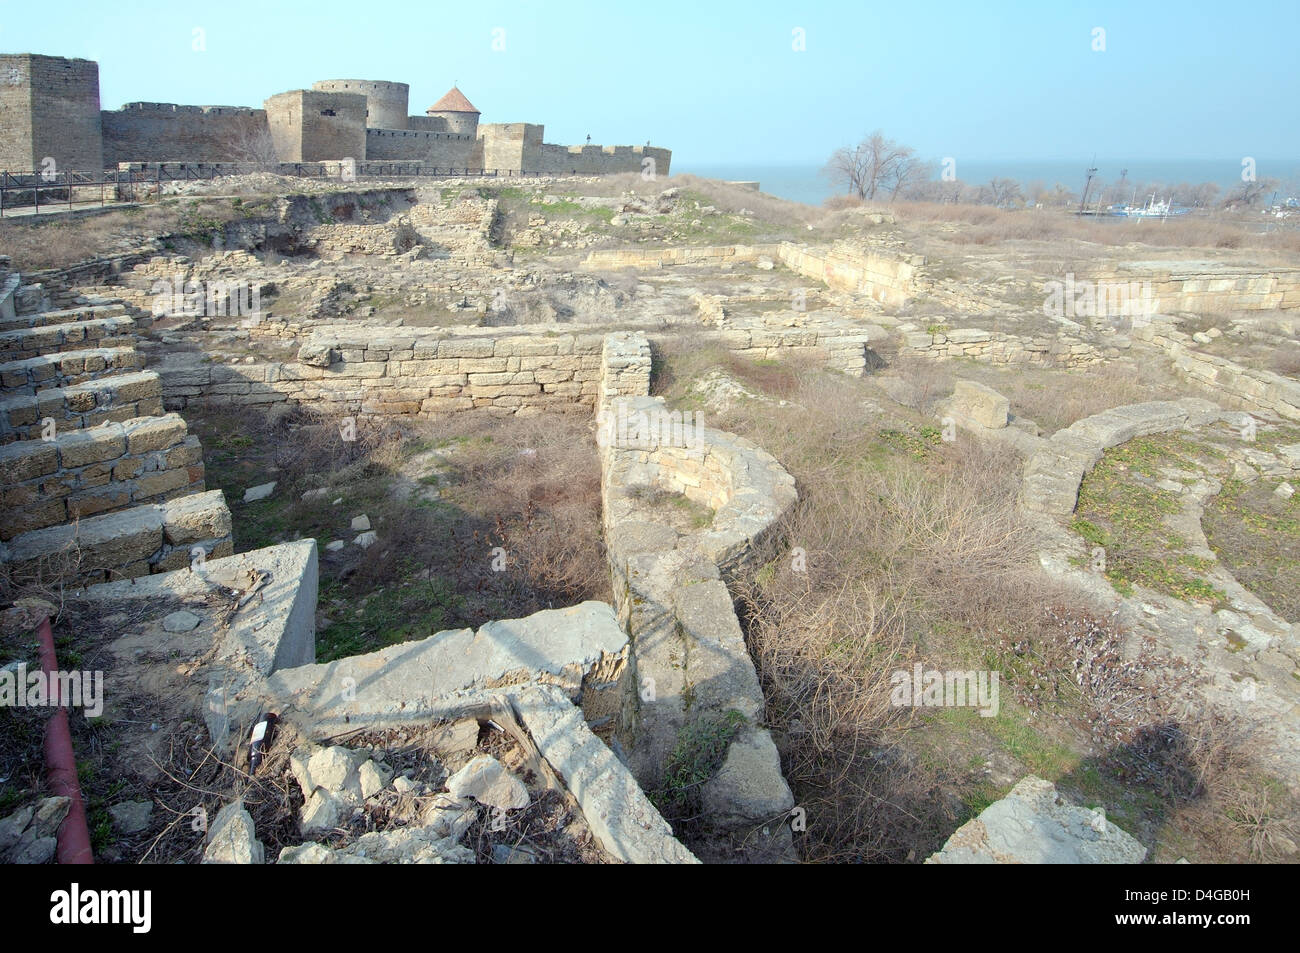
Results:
386 102
458 112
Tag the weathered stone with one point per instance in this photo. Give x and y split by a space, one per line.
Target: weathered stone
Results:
232 838
131 817
1033 824
259 492
487 781
180 621
981 404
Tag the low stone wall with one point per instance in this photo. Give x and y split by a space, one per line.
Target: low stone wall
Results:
692 667
1265 390
890 278
391 371
98 470
43 318
822 337
133 542
611 259
996 347
1207 287
1054 472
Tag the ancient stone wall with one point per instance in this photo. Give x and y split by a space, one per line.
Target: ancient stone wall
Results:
1206 287
997 347
393 371
98 470
691 664
443 150
891 278
1257 388
154 132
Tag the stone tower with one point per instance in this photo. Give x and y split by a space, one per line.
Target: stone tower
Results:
458 112
49 109
386 102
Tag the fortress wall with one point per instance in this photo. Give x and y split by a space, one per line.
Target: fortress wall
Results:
427 123
143 132
49 107
439 149
600 160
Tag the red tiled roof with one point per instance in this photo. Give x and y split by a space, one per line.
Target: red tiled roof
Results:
453 102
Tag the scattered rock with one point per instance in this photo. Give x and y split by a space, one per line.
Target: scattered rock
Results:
367 539
1285 490
131 817
360 523
487 781
505 854
232 838
1034 824
259 492
335 546
373 778
181 621
317 494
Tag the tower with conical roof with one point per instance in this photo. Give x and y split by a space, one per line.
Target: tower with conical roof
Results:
457 111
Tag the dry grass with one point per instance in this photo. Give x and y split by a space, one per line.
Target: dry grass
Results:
904 549
1052 398
986 225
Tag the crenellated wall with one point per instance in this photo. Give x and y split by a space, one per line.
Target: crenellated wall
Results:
153 132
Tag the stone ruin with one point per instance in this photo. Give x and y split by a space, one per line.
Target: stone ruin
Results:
113 497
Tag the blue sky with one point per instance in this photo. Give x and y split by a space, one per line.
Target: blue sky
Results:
720 81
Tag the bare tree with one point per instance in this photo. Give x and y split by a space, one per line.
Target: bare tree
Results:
1248 193
906 171
253 146
871 166
1005 193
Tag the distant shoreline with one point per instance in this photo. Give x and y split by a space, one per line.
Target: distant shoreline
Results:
803 182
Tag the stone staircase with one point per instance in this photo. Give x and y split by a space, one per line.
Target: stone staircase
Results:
97 482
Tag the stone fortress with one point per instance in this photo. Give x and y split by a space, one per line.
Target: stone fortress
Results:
50 109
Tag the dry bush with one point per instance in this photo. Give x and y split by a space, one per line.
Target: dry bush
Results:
890 551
